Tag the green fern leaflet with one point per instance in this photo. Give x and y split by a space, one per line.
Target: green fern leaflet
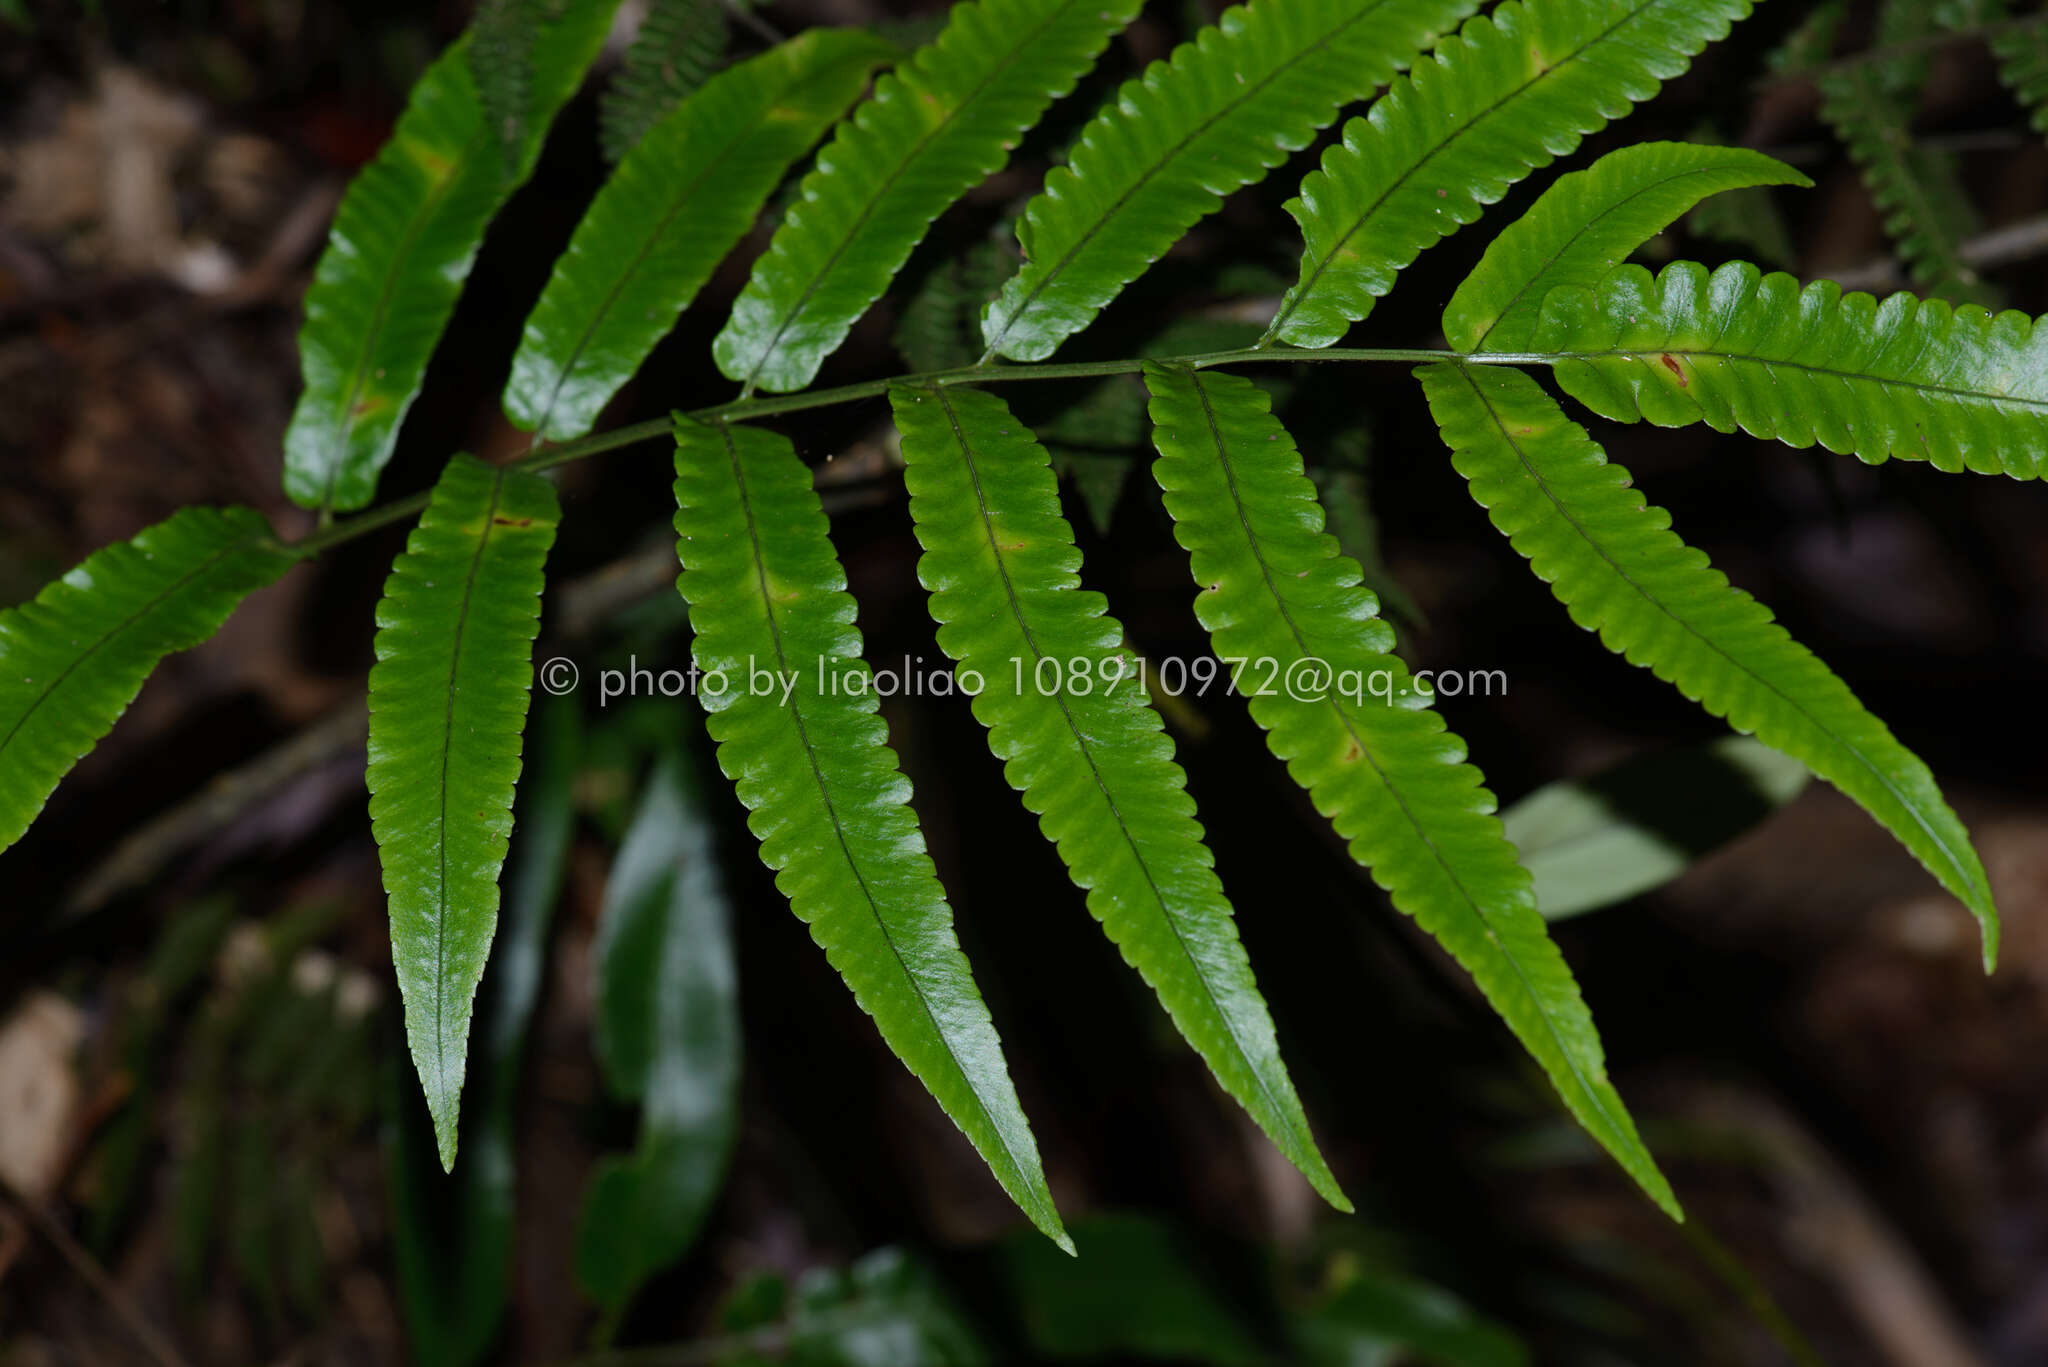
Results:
448 703
73 658
1614 562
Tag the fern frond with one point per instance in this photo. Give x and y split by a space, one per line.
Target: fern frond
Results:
1615 564
794 713
402 244
1909 378
1227 108
1082 746
689 191
75 656
1362 738
1926 212
2022 54
677 48
1513 90
668 1036
935 128
504 36
1586 224
448 702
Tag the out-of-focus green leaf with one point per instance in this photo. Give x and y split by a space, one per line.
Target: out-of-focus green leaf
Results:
1595 841
1378 1320
1135 1289
454 1250
668 1035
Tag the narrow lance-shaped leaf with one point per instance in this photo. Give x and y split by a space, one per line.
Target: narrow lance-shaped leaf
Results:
687 193
1513 90
1079 741
1615 564
668 1035
936 127
1586 224
1914 379
794 712
402 244
455 1233
1227 108
1357 731
448 701
678 46
75 656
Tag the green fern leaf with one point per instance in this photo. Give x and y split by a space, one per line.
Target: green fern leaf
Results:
668 1036
935 128
448 702
1909 378
794 713
679 202
1585 225
1616 565
2022 53
1082 745
75 656
1513 90
402 244
677 48
1365 744
1226 109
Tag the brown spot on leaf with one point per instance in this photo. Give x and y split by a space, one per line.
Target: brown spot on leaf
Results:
1671 364
500 520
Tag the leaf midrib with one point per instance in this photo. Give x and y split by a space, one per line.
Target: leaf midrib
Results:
1166 912
1645 354
757 555
1590 1093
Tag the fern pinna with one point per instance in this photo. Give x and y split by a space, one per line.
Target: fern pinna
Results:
1462 106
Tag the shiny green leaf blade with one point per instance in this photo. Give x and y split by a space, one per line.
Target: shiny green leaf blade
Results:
668 1035
1585 225
685 195
1905 378
1081 743
1614 835
75 656
935 128
455 1232
448 700
1513 90
795 715
1361 737
402 244
1615 564
1226 109
675 51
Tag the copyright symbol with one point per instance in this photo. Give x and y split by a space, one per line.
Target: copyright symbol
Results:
558 676
1308 679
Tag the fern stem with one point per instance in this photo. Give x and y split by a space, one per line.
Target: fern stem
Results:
746 408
